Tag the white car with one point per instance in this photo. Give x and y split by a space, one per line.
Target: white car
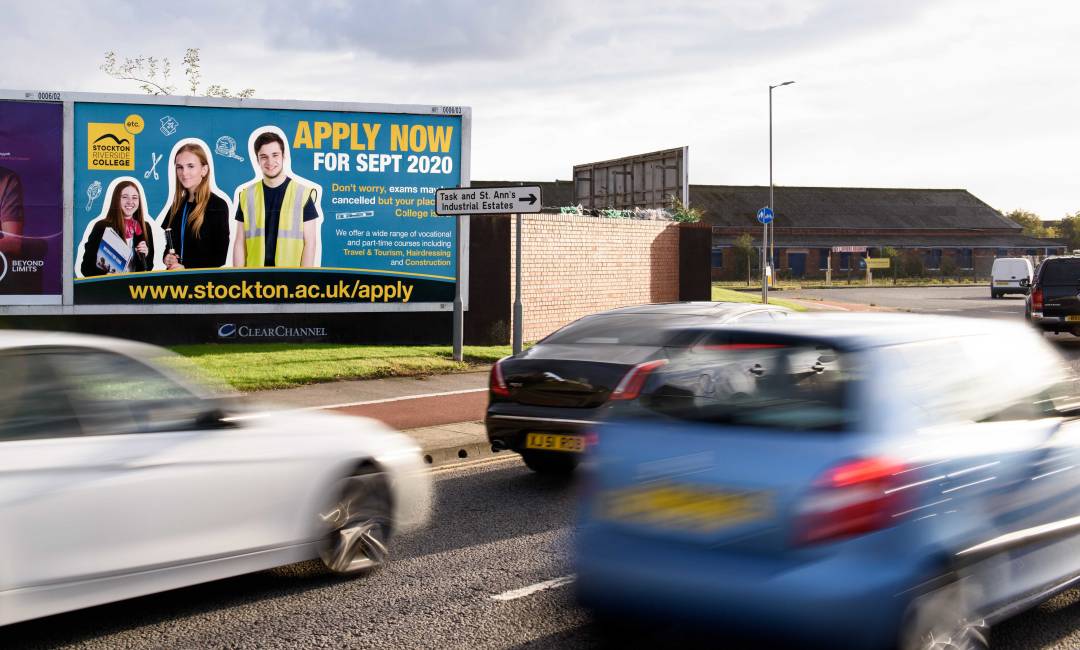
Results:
119 478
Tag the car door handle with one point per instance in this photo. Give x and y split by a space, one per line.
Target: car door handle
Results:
757 370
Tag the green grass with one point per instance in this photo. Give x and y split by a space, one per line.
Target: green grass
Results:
857 282
262 366
729 295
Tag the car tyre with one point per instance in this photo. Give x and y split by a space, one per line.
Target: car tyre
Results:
942 620
359 520
547 462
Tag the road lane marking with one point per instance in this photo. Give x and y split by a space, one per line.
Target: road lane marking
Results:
514 594
387 400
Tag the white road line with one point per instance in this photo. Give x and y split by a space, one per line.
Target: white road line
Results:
263 414
514 594
390 399
999 311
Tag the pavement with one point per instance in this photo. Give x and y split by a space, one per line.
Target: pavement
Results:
443 413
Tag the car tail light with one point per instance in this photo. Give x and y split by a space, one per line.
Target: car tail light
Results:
631 384
851 499
1037 299
496 383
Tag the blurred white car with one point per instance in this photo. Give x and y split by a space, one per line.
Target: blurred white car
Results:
119 477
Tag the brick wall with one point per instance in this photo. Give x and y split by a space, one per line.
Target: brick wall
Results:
573 266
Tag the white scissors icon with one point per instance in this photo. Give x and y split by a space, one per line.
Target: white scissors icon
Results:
153 168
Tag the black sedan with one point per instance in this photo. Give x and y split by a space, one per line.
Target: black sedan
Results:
543 400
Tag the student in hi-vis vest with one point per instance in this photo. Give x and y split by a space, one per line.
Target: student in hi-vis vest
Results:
275 215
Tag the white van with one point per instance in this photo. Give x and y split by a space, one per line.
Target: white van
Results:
1006 276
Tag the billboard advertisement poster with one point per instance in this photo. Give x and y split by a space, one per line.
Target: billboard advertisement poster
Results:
196 205
31 203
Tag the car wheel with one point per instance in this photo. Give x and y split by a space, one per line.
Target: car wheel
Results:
360 523
547 462
942 620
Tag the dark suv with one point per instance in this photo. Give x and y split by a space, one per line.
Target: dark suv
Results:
1053 304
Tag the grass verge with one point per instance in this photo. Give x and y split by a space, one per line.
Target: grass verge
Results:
729 295
263 366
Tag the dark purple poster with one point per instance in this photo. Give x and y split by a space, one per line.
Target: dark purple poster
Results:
31 202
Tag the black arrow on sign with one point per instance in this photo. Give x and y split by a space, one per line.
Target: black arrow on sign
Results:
530 198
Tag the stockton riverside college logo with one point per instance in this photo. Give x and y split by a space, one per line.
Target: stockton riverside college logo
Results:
109 146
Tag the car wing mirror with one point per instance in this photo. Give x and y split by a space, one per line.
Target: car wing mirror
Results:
215 418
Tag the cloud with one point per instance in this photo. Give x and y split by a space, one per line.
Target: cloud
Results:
630 36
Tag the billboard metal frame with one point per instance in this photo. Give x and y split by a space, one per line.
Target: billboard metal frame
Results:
69 99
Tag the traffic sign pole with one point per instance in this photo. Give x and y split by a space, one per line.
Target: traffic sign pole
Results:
459 307
519 308
765 216
516 200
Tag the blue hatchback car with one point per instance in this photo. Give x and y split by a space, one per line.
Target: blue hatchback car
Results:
847 481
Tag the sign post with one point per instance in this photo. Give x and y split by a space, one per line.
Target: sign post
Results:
765 216
516 200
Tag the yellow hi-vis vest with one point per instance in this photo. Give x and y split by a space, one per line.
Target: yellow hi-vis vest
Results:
290 235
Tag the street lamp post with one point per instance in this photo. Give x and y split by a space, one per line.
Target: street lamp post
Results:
772 242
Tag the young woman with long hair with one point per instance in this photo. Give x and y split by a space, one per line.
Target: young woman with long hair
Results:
127 218
198 218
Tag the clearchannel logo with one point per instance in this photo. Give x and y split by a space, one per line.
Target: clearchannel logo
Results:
233 331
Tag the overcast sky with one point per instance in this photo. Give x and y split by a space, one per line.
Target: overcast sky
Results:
975 94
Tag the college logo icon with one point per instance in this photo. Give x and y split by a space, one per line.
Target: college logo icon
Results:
226 331
4 269
109 146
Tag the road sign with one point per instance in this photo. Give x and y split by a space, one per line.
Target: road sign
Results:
877 262
516 199
765 215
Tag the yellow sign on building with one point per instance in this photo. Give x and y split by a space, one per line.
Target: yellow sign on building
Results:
109 146
877 262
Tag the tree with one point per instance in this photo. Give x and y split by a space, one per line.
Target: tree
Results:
683 213
154 75
1069 230
1032 224
744 253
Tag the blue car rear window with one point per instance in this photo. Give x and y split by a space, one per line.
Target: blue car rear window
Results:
771 385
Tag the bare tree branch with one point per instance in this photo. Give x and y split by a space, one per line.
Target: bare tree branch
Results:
153 74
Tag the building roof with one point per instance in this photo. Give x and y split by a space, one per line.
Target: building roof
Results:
851 208
856 208
945 240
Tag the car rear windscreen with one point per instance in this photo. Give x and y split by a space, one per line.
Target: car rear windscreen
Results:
771 385
622 329
1061 271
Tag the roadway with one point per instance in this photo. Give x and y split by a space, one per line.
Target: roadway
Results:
492 570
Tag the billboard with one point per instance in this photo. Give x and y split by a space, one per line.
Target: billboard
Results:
647 180
267 203
31 203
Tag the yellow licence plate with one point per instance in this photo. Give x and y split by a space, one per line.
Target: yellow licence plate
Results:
1001 283
555 442
1072 319
684 507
